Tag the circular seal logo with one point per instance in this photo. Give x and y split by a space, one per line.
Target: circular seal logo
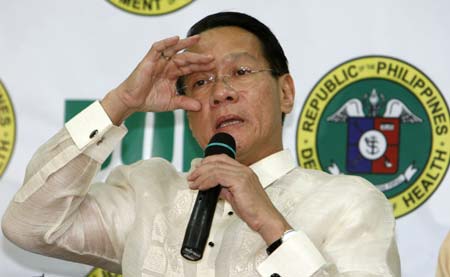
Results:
7 129
150 7
380 118
98 272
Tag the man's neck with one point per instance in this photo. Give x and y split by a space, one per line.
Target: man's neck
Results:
251 159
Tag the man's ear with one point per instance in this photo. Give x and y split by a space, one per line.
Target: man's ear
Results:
287 93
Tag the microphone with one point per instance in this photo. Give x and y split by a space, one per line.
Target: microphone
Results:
199 225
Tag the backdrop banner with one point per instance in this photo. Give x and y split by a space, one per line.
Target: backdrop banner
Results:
372 93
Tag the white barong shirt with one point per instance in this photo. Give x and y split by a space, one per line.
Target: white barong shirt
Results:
134 222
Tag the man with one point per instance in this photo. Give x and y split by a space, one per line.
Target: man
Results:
273 219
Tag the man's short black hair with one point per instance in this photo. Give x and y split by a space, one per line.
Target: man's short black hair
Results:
272 50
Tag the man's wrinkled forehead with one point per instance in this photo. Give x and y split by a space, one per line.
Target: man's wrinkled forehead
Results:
229 43
240 58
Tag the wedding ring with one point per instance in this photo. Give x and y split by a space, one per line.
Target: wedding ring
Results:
167 58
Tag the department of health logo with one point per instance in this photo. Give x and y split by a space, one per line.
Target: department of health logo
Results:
150 7
98 272
7 129
380 118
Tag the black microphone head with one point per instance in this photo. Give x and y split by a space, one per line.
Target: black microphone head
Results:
221 143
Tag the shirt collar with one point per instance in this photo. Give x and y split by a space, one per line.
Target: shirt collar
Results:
272 167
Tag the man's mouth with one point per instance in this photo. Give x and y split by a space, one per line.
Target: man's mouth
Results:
226 121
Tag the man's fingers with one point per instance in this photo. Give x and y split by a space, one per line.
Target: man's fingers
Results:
226 194
187 63
207 168
215 168
184 43
209 175
192 68
207 181
186 103
223 158
158 47
187 58
171 46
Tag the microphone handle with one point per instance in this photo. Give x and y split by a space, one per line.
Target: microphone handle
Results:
199 225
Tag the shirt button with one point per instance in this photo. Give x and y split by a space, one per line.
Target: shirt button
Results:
211 244
230 213
93 133
275 275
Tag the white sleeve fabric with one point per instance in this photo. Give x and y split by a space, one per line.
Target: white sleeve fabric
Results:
55 213
360 242
295 257
93 135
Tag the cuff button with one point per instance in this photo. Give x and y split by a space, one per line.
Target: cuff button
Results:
93 133
100 141
275 275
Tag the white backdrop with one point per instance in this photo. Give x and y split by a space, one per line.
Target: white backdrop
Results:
51 51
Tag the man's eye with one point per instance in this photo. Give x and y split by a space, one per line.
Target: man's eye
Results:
243 71
199 83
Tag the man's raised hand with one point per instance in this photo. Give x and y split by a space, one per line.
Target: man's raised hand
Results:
151 85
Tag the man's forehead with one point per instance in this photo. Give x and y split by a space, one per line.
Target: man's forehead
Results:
241 56
227 36
229 43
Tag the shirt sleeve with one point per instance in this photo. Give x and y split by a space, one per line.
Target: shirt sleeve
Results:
296 257
58 211
360 242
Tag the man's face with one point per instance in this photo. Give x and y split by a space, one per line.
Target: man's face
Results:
248 104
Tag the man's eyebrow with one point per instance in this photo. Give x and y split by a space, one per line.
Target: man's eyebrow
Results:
237 55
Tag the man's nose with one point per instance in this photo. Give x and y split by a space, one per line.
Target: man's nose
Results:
223 93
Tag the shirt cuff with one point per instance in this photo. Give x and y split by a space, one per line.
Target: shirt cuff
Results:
297 256
88 126
93 132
